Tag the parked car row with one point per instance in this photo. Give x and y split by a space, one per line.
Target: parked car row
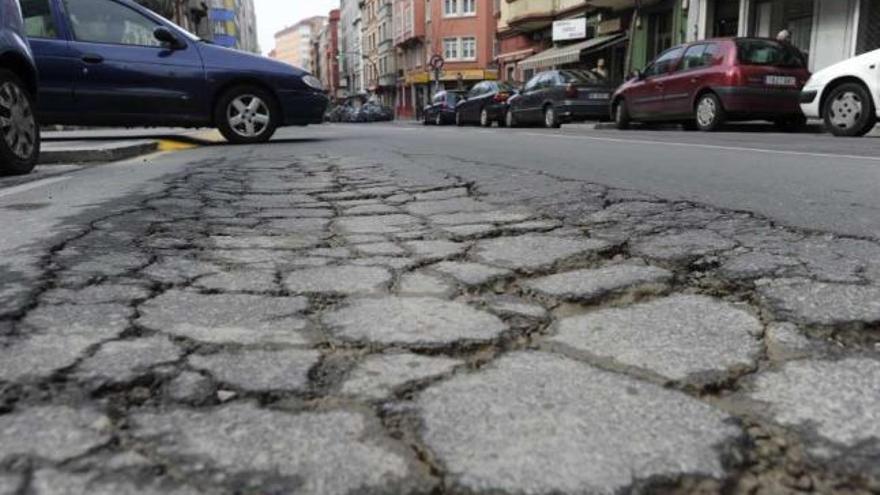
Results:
701 85
116 63
369 111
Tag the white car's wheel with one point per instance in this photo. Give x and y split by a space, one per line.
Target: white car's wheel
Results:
849 111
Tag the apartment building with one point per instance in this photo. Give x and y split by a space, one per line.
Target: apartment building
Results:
293 44
351 74
328 51
463 33
413 87
380 66
233 24
229 23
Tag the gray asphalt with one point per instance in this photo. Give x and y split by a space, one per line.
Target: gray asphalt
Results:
399 309
810 181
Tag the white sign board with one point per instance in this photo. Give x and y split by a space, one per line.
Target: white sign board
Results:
571 29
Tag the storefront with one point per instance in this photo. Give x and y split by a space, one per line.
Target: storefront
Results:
581 55
827 31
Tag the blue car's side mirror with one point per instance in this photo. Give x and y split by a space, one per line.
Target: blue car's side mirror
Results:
164 35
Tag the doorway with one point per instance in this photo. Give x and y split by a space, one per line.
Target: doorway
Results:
725 19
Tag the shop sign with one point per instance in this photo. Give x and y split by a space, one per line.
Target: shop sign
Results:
570 29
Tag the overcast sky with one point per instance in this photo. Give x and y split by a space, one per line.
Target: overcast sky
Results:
275 15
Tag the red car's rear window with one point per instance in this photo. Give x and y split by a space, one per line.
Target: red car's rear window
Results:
769 53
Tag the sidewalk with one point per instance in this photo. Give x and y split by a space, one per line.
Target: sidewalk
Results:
115 144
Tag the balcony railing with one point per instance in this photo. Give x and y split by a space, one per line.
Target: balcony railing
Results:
518 10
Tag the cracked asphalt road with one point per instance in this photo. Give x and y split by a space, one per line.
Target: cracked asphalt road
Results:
304 318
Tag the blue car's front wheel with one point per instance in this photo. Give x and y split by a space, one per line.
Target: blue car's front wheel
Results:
247 115
19 132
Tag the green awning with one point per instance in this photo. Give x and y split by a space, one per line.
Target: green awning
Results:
568 54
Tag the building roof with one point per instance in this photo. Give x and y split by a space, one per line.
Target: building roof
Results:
310 21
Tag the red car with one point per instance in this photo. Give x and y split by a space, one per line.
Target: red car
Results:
707 83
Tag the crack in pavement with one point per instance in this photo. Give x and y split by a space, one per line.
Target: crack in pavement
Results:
455 330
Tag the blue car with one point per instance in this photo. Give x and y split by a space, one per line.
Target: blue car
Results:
116 63
20 141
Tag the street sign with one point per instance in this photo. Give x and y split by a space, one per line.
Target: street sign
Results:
570 29
437 62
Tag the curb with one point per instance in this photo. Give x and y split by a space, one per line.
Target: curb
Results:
75 153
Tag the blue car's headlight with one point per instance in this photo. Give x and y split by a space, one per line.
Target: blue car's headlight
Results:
313 82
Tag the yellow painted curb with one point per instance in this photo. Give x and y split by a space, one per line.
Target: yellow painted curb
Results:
172 145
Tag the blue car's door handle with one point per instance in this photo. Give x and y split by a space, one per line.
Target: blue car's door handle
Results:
91 58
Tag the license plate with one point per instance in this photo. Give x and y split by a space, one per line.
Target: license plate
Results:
780 81
600 96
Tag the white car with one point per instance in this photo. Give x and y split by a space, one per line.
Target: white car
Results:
846 95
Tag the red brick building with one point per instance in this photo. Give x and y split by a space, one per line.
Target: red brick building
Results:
330 54
460 31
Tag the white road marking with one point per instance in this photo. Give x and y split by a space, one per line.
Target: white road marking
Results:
706 146
672 143
31 185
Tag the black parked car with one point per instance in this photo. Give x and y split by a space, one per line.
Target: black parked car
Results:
374 112
560 96
484 104
20 141
441 111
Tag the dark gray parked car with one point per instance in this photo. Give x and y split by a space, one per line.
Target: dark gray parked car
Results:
441 111
560 96
485 104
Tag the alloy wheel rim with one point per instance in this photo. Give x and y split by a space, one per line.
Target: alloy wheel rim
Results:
549 117
846 110
17 122
619 113
248 116
484 118
706 112
438 120
508 117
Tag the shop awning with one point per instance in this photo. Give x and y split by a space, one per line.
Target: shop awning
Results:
568 54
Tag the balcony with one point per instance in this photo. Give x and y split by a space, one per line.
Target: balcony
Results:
532 15
413 23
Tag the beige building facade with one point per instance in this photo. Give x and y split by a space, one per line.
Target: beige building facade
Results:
293 44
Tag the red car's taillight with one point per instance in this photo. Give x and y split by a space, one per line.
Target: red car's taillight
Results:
571 91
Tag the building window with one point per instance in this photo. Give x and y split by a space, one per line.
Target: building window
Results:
457 8
469 48
460 49
450 49
427 10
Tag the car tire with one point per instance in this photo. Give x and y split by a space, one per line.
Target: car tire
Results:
247 115
20 141
621 115
791 124
485 121
510 119
425 120
458 121
849 111
551 118
709 114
